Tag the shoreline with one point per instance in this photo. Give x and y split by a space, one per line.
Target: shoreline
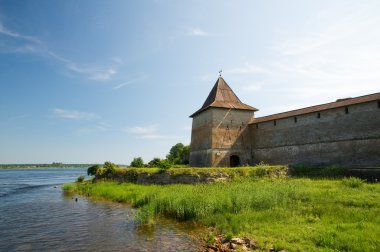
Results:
277 214
42 167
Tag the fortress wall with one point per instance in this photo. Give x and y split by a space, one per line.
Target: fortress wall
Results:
336 138
229 136
201 131
201 140
218 133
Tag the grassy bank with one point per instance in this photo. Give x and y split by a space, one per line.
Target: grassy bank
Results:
131 174
296 214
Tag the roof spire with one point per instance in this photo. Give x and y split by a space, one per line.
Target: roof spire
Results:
222 96
220 73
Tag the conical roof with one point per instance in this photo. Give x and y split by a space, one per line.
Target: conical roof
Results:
222 96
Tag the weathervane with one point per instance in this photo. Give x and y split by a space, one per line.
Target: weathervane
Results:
220 73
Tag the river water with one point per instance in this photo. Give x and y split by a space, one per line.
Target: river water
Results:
36 215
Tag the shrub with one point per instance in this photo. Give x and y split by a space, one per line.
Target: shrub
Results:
100 172
110 168
164 164
91 171
80 179
137 162
154 162
353 182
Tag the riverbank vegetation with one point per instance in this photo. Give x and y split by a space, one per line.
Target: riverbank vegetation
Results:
296 214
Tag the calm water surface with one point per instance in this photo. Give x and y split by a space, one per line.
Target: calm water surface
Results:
35 215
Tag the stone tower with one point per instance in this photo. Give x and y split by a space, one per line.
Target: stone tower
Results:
219 135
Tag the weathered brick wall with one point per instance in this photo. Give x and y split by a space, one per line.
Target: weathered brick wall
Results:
201 139
336 138
218 133
230 136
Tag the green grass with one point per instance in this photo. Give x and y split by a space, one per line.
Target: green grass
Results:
130 174
296 214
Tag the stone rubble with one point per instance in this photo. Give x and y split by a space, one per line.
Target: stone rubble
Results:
235 244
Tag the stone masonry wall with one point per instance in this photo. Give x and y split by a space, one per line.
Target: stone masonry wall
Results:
218 133
230 136
201 139
335 138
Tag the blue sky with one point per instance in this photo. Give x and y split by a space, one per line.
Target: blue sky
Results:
91 81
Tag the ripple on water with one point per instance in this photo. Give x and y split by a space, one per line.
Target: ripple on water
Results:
44 219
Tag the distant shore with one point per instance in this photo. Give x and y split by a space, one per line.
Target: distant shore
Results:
43 166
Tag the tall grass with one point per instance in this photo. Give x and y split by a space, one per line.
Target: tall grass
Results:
295 214
131 174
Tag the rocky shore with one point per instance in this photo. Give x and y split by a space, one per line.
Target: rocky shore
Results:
224 244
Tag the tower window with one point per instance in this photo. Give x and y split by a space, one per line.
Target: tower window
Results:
346 110
295 119
257 125
274 123
378 104
319 115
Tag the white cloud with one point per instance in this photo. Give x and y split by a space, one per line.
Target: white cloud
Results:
143 130
128 83
197 32
9 33
36 46
102 126
158 137
74 114
148 132
97 74
339 58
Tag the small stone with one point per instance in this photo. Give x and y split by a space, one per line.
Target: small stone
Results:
250 243
237 241
212 248
232 245
272 250
224 247
218 238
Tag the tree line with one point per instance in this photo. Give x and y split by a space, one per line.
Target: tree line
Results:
178 155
